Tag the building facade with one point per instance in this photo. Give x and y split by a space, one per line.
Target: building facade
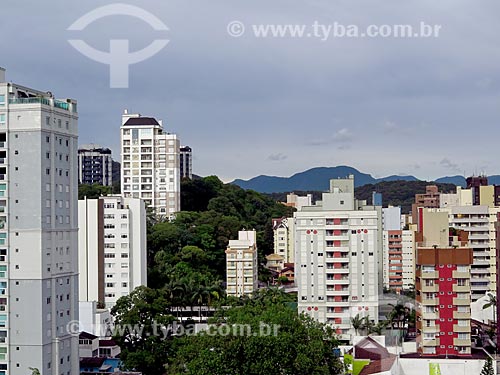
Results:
112 248
284 242
443 298
242 264
150 164
38 231
95 165
186 162
399 259
443 288
338 258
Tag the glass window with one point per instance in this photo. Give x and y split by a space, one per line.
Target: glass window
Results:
2 99
2 118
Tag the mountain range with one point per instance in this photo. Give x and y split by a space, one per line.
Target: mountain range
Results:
317 179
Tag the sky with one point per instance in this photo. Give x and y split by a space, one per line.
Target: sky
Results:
248 105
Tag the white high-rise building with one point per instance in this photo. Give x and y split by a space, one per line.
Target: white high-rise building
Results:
242 264
112 248
38 231
338 258
150 164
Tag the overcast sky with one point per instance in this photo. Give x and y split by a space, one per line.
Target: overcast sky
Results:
248 106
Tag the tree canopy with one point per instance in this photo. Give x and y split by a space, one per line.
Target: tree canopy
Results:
258 335
212 214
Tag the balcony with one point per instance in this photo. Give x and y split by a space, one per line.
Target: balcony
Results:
430 288
460 275
461 289
430 301
430 315
338 292
432 342
461 302
461 315
343 270
461 329
432 329
43 101
460 342
429 275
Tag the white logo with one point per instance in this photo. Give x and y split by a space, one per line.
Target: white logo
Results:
119 58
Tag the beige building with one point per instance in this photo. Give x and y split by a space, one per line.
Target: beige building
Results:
242 264
150 167
443 274
283 230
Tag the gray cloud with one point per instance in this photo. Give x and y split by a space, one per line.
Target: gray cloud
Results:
342 137
448 164
277 157
219 93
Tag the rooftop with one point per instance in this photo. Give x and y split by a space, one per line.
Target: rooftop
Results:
134 121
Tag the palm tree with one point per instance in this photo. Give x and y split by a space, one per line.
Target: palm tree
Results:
357 323
492 302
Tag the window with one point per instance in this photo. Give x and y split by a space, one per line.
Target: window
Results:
2 119
2 100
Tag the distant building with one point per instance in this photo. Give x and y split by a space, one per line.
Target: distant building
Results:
95 165
297 201
377 199
186 162
338 258
443 289
475 183
150 164
391 218
242 265
112 248
116 173
430 199
399 259
284 242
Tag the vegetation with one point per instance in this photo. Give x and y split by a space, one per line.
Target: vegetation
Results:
488 367
400 193
195 242
492 302
395 193
93 191
260 335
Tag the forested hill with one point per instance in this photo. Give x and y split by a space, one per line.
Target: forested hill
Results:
395 193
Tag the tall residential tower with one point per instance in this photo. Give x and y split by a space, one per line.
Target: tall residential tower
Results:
150 164
38 231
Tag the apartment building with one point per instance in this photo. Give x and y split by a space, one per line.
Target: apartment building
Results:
112 248
298 201
150 167
186 162
284 242
38 231
242 265
399 259
338 258
95 165
430 199
443 271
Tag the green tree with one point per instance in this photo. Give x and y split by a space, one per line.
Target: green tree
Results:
93 191
294 344
357 323
488 367
492 302
139 318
